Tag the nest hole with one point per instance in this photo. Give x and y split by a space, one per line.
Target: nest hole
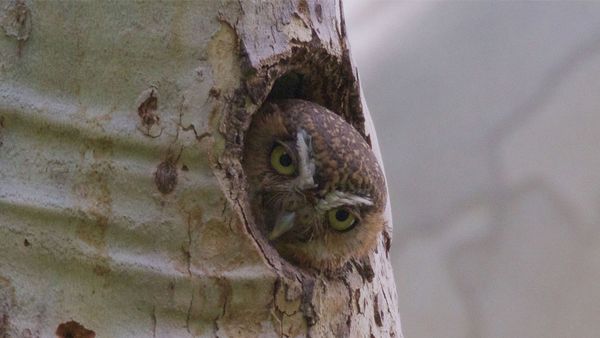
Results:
308 74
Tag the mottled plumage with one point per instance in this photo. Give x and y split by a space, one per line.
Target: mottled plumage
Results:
316 188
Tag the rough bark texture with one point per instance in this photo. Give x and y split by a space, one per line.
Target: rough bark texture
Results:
123 209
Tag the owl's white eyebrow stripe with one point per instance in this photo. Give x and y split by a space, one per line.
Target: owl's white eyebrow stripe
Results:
338 198
306 165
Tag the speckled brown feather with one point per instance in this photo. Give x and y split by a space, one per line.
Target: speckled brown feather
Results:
344 162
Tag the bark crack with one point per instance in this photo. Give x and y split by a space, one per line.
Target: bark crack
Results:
153 316
189 314
349 303
188 255
188 252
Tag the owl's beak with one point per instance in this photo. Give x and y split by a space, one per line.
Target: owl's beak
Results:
284 222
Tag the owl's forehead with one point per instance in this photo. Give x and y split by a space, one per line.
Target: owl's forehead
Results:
344 161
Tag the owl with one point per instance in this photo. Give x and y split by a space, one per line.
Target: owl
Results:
316 189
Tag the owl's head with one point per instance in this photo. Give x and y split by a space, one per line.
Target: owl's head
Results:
316 189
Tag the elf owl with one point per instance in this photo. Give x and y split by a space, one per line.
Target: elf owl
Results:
316 189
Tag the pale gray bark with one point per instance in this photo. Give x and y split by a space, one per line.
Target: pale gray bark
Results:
122 200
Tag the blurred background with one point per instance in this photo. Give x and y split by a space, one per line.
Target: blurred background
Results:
488 115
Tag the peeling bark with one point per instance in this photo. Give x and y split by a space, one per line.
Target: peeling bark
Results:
116 233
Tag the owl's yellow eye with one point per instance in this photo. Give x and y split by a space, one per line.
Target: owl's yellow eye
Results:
341 219
281 161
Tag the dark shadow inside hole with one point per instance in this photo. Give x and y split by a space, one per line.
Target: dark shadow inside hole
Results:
288 86
314 85
148 108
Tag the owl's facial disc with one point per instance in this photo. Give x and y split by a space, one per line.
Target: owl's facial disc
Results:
303 167
339 209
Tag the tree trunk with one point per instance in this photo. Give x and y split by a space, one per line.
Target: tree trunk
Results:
123 209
